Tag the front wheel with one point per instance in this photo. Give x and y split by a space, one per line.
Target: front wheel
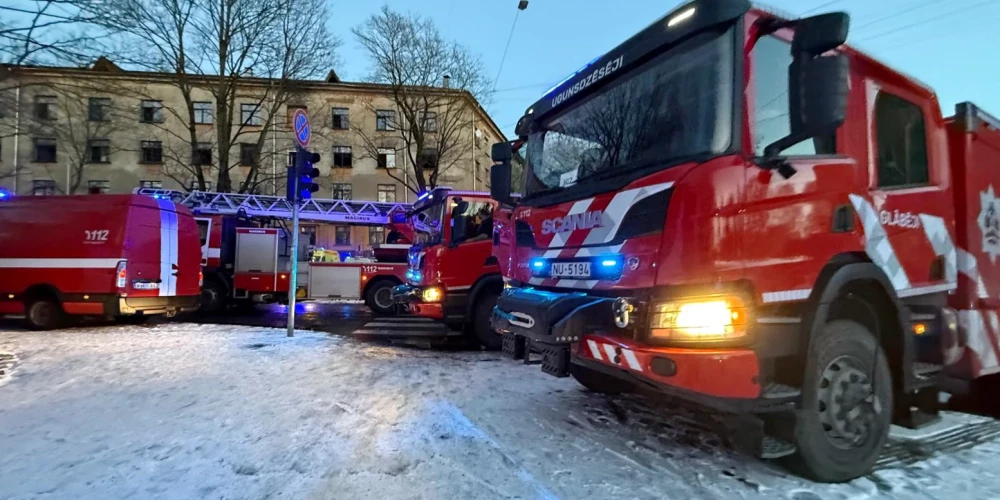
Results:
481 328
378 298
847 404
44 314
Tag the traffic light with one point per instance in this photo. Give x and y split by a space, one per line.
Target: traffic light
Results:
304 172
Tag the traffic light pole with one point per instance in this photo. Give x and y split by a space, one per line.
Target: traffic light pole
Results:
293 280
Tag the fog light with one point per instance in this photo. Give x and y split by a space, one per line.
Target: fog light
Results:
432 294
705 319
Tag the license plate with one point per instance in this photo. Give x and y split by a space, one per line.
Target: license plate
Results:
571 269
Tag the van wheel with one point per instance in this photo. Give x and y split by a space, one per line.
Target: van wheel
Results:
598 382
378 297
846 406
45 314
213 297
482 310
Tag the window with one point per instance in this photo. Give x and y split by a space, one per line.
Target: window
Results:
428 158
341 119
152 112
342 156
342 235
386 158
98 187
45 150
202 154
250 115
248 154
772 121
902 142
151 184
385 119
429 120
387 193
99 151
43 187
98 109
45 107
376 235
152 152
203 113
342 191
475 223
309 233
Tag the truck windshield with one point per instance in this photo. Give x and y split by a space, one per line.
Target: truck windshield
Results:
677 105
428 223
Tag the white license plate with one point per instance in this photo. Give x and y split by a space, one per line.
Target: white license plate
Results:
571 269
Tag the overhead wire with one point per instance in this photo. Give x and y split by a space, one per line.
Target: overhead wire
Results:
926 21
505 49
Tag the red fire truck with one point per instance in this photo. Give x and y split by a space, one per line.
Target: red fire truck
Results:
246 250
454 276
738 209
114 256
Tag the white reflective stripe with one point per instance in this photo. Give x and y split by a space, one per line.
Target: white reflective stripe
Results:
578 284
59 263
968 265
610 351
786 295
559 239
460 288
536 281
927 290
633 362
595 351
877 244
616 210
937 234
214 253
596 251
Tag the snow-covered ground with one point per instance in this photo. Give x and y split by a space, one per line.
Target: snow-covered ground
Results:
212 411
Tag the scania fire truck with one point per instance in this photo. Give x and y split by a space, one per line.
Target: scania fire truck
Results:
738 209
453 275
246 250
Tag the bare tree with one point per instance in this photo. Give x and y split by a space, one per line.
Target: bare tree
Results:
240 51
430 85
38 31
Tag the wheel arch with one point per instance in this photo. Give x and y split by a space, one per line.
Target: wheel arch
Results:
40 290
379 278
852 287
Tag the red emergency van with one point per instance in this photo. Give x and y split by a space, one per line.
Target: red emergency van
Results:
114 256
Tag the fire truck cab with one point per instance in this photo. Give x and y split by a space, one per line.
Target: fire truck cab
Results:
738 209
453 275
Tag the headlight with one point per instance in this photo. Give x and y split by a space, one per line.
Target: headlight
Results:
432 294
699 319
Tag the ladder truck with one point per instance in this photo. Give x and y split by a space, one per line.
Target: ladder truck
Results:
738 209
246 249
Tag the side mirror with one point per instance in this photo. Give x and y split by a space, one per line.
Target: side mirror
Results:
500 175
502 152
817 83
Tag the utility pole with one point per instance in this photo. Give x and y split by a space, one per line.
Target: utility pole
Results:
293 279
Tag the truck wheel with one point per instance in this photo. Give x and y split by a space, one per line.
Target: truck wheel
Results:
846 406
598 382
482 310
213 297
378 297
44 314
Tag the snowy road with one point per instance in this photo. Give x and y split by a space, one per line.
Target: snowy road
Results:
213 411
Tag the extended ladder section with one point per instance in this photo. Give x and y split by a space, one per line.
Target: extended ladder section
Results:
255 205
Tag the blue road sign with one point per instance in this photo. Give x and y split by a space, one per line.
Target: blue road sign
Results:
300 121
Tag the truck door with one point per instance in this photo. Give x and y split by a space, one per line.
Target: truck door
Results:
908 220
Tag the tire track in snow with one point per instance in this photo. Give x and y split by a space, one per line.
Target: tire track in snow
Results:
8 362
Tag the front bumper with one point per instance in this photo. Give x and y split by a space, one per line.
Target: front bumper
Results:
578 328
406 294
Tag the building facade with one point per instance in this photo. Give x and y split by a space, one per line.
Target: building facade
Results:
102 129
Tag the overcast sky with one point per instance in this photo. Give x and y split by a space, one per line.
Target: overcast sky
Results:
952 45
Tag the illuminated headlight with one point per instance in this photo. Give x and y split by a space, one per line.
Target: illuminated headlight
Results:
699 319
432 294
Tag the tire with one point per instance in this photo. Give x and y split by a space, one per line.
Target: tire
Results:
839 441
44 314
598 382
378 297
213 297
481 329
